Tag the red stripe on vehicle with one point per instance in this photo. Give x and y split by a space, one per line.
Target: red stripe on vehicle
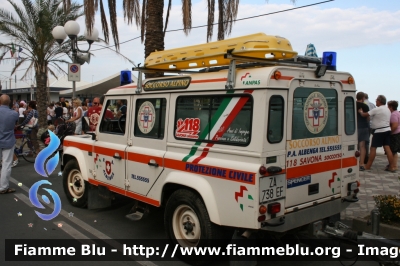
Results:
314 168
126 193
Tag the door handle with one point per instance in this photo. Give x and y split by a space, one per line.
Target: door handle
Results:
116 156
153 164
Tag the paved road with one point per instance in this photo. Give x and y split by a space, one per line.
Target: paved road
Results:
375 182
111 223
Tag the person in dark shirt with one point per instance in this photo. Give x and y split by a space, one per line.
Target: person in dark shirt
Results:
58 110
362 128
121 105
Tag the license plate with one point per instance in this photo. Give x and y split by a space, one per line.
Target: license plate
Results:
272 188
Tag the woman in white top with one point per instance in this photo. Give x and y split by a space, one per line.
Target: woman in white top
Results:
77 116
21 111
51 114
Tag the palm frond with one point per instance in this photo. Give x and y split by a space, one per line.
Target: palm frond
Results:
104 23
210 19
221 12
143 24
27 71
187 15
113 20
231 11
66 5
89 14
132 10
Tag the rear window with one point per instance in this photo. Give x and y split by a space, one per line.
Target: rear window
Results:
349 116
222 119
275 119
315 113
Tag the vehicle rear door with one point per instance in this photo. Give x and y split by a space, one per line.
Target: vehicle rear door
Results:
314 144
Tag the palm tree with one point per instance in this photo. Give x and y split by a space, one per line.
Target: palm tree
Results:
31 30
150 18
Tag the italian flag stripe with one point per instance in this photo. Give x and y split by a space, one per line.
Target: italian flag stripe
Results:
220 122
204 134
218 131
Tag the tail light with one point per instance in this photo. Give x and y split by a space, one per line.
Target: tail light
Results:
262 170
262 209
274 208
261 218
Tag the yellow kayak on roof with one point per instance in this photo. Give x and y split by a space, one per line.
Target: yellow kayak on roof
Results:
257 45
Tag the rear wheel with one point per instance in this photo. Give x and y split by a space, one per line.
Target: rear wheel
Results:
28 152
75 187
187 221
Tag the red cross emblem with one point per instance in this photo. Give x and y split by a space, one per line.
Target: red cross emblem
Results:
146 116
316 112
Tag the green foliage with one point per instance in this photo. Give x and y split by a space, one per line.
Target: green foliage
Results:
389 207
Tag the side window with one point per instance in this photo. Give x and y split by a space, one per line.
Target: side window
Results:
150 118
223 119
275 119
114 117
315 113
349 116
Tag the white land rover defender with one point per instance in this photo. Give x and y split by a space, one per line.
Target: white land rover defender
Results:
259 138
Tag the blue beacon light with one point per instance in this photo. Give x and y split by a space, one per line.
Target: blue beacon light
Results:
329 59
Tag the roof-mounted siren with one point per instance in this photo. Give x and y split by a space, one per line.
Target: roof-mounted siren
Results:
329 59
328 63
125 77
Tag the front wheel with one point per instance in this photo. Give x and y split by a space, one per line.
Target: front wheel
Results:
187 221
75 187
28 152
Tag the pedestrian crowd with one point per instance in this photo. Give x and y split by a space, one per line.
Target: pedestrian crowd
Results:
25 111
383 123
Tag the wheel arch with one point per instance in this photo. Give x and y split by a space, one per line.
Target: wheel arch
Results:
75 154
195 183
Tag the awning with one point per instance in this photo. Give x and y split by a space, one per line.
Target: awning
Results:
98 88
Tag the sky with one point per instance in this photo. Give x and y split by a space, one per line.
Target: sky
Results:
365 34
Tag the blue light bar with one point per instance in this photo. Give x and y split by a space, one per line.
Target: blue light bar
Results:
125 77
329 59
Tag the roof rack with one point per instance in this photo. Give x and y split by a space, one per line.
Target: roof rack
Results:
251 50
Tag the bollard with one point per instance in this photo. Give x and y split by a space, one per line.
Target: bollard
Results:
376 220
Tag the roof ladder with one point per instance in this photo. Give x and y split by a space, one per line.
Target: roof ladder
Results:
140 82
230 83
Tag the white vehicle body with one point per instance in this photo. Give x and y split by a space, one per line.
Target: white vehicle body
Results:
273 153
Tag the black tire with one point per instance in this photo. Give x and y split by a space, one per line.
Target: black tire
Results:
187 222
75 187
28 152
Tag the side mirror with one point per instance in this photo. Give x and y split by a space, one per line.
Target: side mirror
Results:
92 134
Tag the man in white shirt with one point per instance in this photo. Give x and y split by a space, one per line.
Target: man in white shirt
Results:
380 122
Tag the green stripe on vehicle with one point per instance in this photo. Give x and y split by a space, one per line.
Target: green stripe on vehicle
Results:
208 128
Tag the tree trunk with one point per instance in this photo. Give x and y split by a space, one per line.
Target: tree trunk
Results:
41 97
154 36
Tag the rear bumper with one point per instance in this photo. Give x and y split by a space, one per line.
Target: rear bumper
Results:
305 216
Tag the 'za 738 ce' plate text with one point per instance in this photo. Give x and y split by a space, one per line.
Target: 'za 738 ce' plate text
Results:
272 188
